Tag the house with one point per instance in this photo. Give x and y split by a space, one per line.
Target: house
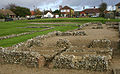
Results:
66 11
90 12
7 13
117 7
49 15
118 10
56 15
32 13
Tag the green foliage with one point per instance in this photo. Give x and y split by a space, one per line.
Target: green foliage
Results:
37 12
56 12
18 10
2 16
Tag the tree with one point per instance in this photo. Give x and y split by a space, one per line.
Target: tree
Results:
56 12
2 16
18 10
37 12
102 9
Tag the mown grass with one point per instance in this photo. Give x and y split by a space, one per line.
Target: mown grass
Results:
8 28
15 40
84 20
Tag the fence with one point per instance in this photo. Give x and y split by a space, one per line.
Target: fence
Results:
2 20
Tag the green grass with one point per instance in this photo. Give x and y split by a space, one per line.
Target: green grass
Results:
8 28
84 20
15 40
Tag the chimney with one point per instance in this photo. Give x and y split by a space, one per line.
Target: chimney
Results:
83 7
60 6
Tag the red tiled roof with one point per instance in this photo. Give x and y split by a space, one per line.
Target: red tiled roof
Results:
67 7
94 10
32 12
118 4
6 12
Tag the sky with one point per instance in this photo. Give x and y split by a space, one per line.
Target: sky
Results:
54 4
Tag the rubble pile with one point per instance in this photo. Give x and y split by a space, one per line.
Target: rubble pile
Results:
88 62
114 25
74 33
111 23
33 42
84 25
63 43
99 26
27 58
102 43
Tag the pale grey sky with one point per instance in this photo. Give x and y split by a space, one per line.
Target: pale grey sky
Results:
54 4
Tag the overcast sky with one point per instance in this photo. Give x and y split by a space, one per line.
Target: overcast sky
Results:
54 4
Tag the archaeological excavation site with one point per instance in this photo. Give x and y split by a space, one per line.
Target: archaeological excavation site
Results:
92 47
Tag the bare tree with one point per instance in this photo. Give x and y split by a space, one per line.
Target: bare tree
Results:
102 9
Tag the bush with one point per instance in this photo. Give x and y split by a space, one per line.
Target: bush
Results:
2 16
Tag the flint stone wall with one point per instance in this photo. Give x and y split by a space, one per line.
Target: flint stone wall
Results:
88 62
89 59
114 25
26 58
74 33
102 43
84 25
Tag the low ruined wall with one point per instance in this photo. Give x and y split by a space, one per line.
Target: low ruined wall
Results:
27 58
102 43
88 62
95 58
21 34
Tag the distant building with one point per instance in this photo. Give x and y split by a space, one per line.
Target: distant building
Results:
32 12
7 13
118 10
117 7
49 15
90 12
66 11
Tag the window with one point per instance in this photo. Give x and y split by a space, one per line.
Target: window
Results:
119 7
68 10
62 10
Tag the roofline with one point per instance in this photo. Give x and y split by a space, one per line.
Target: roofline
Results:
117 4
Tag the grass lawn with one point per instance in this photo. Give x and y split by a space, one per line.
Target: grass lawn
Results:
8 28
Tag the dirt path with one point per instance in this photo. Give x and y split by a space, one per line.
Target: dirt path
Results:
15 69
